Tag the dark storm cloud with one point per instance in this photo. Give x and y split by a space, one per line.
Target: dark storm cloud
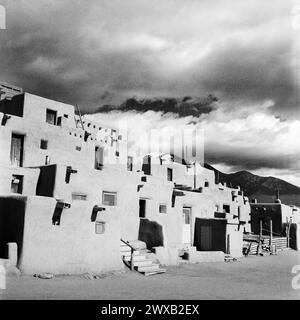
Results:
97 53
76 52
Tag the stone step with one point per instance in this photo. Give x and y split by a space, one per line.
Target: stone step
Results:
155 272
143 263
128 253
150 268
135 258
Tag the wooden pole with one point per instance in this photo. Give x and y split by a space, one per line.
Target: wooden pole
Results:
132 266
271 235
260 237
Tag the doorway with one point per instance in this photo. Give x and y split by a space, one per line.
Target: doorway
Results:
142 208
186 225
16 150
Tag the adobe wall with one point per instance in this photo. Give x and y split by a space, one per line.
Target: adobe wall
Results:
72 247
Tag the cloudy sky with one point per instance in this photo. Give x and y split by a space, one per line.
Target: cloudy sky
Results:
102 52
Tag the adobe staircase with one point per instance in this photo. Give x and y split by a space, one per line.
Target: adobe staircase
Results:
136 257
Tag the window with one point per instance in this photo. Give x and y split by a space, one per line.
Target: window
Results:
162 208
99 227
170 174
99 153
186 215
142 208
206 184
129 163
51 116
17 184
109 198
117 153
239 212
66 116
16 150
79 196
78 148
44 144
226 208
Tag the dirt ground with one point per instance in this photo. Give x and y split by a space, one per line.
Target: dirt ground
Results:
254 277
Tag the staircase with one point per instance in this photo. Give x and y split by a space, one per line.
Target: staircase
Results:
138 258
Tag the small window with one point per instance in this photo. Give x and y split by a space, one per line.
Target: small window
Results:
206 184
129 163
99 227
44 144
51 116
120 137
226 208
109 198
162 208
17 184
239 212
117 153
79 196
66 116
170 174
78 148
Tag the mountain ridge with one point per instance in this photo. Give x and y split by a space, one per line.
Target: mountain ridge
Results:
261 188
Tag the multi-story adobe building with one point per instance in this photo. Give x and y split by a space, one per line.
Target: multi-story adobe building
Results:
69 192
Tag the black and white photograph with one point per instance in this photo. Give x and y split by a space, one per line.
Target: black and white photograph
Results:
149 153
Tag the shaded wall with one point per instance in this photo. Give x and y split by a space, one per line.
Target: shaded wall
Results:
14 107
151 233
46 181
272 212
12 211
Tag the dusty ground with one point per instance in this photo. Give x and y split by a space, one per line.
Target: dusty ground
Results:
254 277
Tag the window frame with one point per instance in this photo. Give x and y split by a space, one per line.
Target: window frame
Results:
115 194
53 112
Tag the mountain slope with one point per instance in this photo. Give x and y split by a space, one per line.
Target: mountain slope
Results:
261 188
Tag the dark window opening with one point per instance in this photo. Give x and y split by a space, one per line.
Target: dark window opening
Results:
142 208
99 154
117 153
66 116
44 144
129 163
16 150
170 174
51 116
226 208
78 148
17 184
206 184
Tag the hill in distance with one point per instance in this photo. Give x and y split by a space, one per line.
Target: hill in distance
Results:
261 188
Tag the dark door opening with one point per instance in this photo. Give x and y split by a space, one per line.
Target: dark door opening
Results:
210 234
142 209
16 150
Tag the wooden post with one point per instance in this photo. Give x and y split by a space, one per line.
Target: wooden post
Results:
131 259
288 235
271 235
260 237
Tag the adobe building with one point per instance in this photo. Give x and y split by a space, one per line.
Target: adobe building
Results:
69 192
285 220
